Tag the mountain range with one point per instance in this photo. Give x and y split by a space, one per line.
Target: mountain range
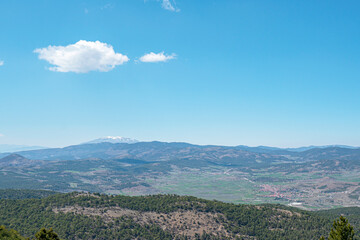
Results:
104 148
6 148
314 178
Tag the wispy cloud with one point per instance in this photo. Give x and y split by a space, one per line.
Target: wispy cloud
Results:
82 57
2 135
1 62
169 5
107 6
156 57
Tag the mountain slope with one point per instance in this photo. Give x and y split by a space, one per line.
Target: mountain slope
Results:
15 160
94 216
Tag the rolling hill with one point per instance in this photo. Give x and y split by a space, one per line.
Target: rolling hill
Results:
95 216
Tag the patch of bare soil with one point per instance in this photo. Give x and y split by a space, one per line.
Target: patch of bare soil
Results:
186 223
287 212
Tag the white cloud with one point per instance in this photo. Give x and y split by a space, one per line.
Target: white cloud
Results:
166 4
82 57
157 57
2 135
1 62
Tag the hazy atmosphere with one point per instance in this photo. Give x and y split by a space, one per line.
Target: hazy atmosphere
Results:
179 120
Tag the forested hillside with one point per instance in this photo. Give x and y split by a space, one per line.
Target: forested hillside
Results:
24 194
95 216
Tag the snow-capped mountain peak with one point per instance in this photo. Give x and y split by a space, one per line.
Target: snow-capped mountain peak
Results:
114 139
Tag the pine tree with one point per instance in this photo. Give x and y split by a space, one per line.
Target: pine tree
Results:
341 230
9 234
44 234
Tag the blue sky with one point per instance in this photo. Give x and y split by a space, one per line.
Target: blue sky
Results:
230 72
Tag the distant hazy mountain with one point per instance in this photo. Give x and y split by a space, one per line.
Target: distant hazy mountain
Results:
162 151
148 151
301 149
266 149
111 139
16 148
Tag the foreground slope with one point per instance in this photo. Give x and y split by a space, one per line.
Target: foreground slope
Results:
95 216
